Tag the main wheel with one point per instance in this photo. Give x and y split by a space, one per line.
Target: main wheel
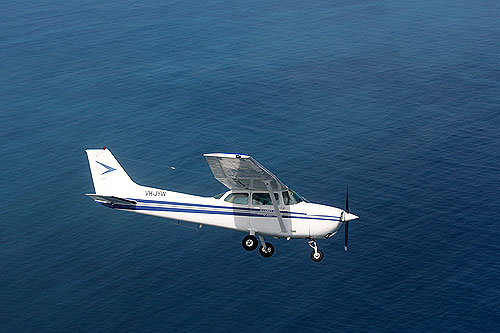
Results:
317 256
268 252
250 242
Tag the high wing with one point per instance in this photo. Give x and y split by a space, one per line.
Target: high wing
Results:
239 171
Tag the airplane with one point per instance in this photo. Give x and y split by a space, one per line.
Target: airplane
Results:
257 202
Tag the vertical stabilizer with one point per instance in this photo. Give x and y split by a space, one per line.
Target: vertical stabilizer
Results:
108 175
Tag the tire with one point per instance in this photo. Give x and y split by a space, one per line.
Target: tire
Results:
317 257
269 252
250 242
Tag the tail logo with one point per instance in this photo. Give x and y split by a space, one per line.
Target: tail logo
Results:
109 169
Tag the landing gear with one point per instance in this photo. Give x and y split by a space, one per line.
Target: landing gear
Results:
250 242
267 251
316 255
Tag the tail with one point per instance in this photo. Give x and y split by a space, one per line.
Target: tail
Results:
108 175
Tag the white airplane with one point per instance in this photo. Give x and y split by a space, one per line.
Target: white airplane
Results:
257 202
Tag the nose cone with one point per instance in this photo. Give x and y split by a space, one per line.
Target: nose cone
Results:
350 217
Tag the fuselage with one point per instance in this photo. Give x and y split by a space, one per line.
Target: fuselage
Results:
245 211
257 202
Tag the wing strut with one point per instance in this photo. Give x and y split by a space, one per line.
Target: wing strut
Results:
276 208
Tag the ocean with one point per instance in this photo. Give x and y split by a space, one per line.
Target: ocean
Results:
399 100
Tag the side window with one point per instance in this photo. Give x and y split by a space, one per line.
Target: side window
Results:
259 199
237 198
218 196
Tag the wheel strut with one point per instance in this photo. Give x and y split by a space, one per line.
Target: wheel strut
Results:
317 254
262 242
313 245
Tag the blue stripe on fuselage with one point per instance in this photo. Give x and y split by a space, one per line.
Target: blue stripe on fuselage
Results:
234 211
222 207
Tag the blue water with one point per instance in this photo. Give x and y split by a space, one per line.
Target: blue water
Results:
397 99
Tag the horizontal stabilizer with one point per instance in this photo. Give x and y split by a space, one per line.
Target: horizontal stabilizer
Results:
111 199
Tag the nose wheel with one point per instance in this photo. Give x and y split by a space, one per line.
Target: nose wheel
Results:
316 254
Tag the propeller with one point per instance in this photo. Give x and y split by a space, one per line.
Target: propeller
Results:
346 221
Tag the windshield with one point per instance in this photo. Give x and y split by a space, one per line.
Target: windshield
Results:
291 198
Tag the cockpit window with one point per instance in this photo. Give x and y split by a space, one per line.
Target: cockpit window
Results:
291 198
237 198
259 199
